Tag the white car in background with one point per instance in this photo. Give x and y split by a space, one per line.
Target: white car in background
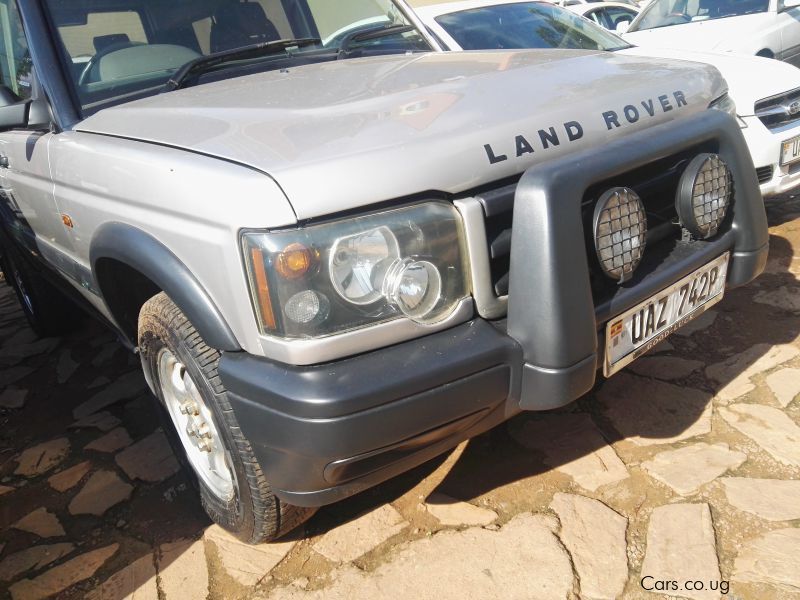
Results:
766 92
614 16
769 28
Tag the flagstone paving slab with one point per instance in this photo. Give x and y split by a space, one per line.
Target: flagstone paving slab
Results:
572 444
40 522
114 440
104 421
357 537
452 512
667 368
41 458
686 469
126 387
771 559
770 499
150 459
103 490
182 569
30 559
63 576
246 564
734 374
785 384
136 581
13 398
69 478
594 535
681 547
523 559
770 428
648 412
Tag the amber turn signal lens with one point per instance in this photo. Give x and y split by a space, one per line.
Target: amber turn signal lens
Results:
294 261
262 290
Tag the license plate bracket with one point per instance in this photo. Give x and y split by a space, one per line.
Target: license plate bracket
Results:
638 330
790 151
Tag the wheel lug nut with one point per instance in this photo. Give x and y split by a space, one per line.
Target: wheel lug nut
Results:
204 431
189 408
204 446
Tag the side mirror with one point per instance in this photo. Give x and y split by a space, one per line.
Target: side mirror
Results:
20 114
623 26
788 4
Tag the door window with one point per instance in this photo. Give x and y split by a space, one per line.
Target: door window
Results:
15 60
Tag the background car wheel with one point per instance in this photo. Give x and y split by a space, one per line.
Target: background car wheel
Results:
204 431
765 53
48 311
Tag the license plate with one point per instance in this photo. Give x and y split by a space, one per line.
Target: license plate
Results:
790 151
640 329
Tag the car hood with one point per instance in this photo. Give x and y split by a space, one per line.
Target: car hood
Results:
341 135
750 78
731 33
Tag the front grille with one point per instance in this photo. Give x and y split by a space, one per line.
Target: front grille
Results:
780 110
764 174
655 183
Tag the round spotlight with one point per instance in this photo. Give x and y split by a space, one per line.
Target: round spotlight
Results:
620 227
414 286
704 193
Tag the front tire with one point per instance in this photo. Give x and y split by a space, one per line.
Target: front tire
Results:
203 429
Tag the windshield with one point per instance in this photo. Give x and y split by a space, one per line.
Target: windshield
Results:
663 13
120 50
526 25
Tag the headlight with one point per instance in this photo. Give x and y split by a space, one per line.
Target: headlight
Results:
326 279
726 104
704 192
620 229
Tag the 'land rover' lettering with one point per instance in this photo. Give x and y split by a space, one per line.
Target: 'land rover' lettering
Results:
550 137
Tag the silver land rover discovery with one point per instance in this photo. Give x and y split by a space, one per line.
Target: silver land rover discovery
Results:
339 254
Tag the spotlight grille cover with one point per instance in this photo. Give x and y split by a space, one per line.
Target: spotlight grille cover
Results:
704 195
620 227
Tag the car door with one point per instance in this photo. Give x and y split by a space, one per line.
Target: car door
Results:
788 18
28 209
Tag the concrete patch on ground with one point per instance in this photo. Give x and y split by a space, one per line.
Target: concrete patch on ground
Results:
244 563
647 412
523 559
681 547
41 458
594 535
59 578
572 444
769 427
357 537
771 559
770 499
733 374
452 512
686 469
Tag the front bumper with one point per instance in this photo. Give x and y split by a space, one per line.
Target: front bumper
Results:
324 432
765 149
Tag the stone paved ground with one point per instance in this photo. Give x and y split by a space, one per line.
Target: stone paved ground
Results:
686 467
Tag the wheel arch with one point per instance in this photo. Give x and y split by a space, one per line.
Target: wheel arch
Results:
129 264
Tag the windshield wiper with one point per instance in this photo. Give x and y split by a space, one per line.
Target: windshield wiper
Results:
373 33
204 63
